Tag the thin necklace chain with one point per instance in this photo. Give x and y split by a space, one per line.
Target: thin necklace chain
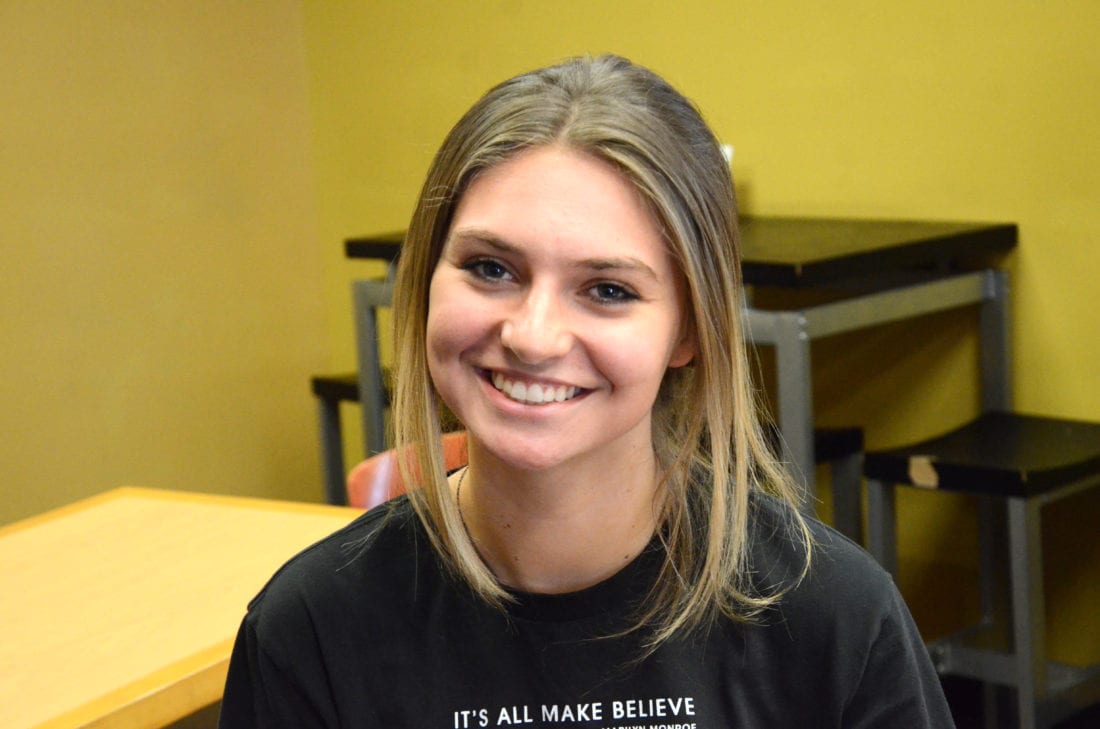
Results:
458 502
462 517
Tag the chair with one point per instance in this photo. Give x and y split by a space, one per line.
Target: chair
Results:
1015 464
368 387
378 478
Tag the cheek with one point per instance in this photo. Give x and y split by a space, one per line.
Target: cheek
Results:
442 352
633 359
440 315
453 327
443 335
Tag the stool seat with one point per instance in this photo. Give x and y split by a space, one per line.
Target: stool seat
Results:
336 388
831 444
1000 454
331 391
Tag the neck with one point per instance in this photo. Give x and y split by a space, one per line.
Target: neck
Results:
559 530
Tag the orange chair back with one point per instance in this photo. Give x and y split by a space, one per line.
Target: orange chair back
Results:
378 479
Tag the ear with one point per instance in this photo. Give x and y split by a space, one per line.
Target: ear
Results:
685 349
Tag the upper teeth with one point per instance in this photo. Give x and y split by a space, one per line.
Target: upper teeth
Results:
533 394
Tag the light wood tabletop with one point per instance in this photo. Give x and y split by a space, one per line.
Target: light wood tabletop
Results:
121 610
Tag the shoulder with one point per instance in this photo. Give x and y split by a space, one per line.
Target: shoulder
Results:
778 553
841 637
370 535
845 570
374 555
844 590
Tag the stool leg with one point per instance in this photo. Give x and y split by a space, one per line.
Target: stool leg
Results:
795 402
991 558
996 350
368 296
882 539
332 452
847 474
991 537
1028 610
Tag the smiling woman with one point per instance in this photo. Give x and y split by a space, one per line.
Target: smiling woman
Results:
555 280
622 539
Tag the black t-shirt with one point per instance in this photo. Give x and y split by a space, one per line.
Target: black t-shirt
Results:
367 629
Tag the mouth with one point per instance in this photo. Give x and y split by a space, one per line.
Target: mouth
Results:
532 393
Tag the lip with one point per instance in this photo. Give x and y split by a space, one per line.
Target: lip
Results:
545 392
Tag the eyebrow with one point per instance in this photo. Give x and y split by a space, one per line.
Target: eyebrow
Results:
615 263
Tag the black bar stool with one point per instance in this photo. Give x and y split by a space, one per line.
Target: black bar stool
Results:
330 391
1016 464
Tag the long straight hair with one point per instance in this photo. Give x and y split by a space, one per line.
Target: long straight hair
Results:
706 431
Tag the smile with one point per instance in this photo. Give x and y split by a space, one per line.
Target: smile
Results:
533 393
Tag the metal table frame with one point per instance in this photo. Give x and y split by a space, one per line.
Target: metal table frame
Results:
792 331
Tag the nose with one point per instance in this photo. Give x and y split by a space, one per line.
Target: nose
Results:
537 330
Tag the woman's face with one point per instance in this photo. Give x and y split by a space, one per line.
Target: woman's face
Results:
554 312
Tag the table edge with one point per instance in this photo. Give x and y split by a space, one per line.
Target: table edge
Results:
155 699
191 497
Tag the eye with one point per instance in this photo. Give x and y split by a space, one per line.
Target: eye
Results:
487 269
606 292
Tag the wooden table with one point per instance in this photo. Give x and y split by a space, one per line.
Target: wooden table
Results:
121 610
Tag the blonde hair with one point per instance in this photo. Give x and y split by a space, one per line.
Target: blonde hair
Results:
712 450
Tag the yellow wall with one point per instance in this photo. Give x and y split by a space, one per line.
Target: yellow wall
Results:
160 278
978 111
170 278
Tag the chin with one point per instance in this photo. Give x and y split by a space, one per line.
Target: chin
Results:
521 455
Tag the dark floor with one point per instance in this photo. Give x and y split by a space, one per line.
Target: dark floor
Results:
965 697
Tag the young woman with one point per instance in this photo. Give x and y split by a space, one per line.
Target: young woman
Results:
623 549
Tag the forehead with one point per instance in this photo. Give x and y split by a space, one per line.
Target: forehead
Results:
561 195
